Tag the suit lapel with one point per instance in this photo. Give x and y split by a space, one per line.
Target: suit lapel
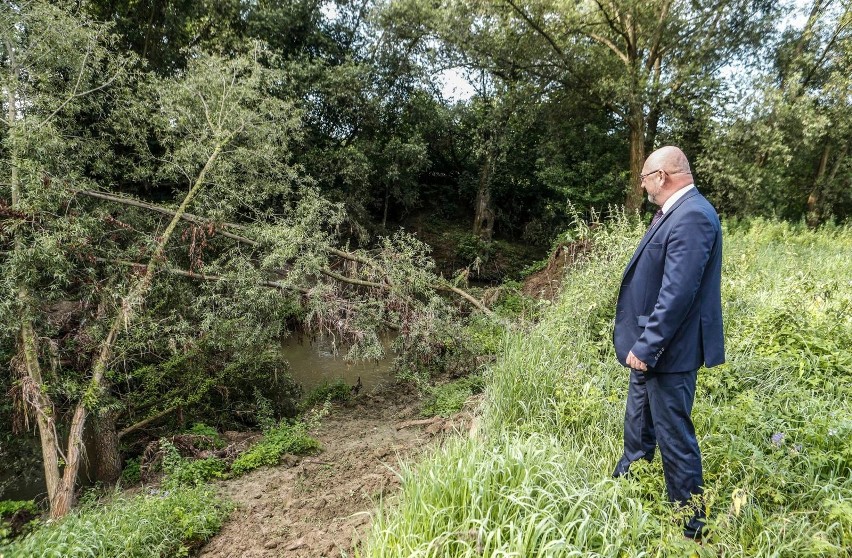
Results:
653 230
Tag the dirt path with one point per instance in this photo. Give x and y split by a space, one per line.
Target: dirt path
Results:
320 505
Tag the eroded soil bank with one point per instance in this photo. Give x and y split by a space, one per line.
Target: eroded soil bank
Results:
320 505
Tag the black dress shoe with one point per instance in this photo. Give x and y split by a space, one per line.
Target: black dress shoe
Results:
619 473
693 532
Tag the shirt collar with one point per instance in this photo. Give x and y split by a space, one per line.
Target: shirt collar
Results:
676 196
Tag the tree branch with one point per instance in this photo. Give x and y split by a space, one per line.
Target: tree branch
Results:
75 95
329 273
545 35
611 22
654 51
199 276
609 44
143 423
325 271
165 211
465 295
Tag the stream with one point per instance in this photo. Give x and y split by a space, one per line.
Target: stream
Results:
313 363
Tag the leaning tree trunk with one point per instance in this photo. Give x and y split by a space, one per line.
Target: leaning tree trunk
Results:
31 375
813 217
815 201
64 499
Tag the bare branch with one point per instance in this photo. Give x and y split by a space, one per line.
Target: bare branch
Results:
611 22
329 273
654 51
74 94
465 295
325 271
143 423
818 64
185 216
199 276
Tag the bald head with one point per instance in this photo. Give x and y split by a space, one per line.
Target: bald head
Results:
669 158
677 174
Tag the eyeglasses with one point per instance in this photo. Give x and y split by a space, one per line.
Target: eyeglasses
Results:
642 177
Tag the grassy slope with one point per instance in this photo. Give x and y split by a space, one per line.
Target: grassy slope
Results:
537 482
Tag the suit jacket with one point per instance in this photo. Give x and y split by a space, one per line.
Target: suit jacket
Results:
669 310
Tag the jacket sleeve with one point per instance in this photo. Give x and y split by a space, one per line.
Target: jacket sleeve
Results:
688 250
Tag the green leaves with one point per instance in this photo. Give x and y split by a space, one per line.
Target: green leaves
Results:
285 438
228 103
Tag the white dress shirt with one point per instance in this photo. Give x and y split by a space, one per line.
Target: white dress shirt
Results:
676 196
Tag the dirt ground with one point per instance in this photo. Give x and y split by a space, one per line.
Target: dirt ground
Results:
320 505
546 283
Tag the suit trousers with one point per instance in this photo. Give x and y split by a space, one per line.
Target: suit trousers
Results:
659 408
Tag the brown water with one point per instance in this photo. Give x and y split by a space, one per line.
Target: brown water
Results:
314 362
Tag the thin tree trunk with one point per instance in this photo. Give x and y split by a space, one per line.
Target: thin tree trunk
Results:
813 217
33 392
483 220
651 130
387 201
64 499
40 403
814 214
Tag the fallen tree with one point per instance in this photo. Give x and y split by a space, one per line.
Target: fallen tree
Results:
126 272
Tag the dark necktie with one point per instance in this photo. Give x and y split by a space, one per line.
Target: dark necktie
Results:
657 216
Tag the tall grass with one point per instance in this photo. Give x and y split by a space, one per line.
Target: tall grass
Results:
166 523
774 423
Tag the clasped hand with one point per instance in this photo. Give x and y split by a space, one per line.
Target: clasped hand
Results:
635 363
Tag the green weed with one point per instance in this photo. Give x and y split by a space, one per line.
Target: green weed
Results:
209 437
446 399
327 391
774 423
285 438
132 472
180 471
165 523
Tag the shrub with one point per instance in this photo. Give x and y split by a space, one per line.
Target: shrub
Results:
168 523
285 438
446 399
513 303
209 437
180 471
132 472
328 391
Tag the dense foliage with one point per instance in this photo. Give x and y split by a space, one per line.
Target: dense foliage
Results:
774 422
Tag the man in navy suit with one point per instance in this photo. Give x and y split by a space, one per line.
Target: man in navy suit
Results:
668 324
